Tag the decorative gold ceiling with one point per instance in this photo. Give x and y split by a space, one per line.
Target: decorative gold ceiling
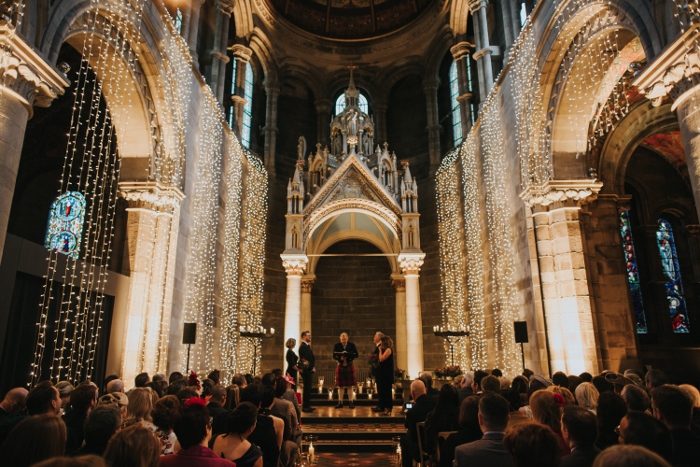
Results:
349 19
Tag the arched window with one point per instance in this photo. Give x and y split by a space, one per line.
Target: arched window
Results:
456 113
361 102
248 107
178 20
65 230
231 108
674 287
640 319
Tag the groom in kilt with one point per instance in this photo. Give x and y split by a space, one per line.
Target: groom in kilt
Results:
345 352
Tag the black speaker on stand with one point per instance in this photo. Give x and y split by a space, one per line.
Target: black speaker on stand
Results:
189 337
520 328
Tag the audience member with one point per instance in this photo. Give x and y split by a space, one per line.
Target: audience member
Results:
100 425
636 398
175 387
141 380
489 450
642 429
546 409
694 394
490 384
82 400
611 409
33 440
516 416
476 381
427 379
215 376
140 408
134 446
586 377
234 444
574 382
469 430
532 444
217 411
64 390
465 389
207 385
422 404
672 406
239 380
629 456
579 427
164 415
527 373
268 434
286 382
116 385
13 403
43 398
655 378
108 379
587 396
175 376
602 384
560 379
117 399
89 460
232 397
496 372
444 417
564 392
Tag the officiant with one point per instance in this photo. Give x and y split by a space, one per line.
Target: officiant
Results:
344 353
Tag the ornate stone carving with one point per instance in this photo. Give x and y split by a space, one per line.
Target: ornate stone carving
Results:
294 265
563 192
411 263
24 73
399 284
461 50
153 196
307 285
241 52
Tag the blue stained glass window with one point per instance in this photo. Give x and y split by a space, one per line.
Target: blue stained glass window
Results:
361 103
632 273
178 21
231 108
674 286
65 229
248 107
456 112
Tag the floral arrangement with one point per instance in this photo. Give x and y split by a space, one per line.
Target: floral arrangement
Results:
450 371
399 373
304 364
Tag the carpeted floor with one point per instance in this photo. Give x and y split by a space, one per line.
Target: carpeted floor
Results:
351 459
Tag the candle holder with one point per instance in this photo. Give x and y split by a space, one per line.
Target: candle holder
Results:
311 449
359 387
255 332
396 450
446 334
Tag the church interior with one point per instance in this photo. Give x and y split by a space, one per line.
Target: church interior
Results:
438 170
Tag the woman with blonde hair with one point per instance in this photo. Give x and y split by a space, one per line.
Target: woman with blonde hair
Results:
139 409
587 396
134 446
292 360
569 398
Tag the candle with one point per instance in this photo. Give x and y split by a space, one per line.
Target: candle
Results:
353 395
312 451
393 392
369 396
272 330
320 389
330 395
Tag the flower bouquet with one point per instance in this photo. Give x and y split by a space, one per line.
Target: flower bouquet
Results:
304 365
448 371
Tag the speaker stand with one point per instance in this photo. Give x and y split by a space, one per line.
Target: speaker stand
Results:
188 358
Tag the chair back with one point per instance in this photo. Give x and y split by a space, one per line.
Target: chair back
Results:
424 456
442 436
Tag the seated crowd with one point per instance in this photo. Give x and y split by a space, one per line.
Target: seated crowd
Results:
252 422
608 420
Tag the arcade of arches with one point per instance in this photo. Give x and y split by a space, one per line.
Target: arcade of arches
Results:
352 166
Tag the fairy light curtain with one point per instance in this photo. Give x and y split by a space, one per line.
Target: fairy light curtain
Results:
73 299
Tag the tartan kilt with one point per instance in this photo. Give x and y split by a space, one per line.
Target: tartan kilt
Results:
345 376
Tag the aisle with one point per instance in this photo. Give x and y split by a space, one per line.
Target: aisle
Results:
352 459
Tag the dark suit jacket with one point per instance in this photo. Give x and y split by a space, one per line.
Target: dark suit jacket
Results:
686 448
350 349
219 414
581 456
417 414
489 450
306 353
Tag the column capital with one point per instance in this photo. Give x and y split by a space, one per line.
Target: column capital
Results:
24 73
323 105
693 229
225 6
476 5
398 282
307 283
674 72
294 265
431 85
561 193
153 196
411 262
461 50
480 53
241 52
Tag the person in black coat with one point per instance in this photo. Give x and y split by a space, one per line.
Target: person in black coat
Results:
422 404
307 362
579 427
345 352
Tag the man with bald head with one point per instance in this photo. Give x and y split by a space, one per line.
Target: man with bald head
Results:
13 403
116 385
421 405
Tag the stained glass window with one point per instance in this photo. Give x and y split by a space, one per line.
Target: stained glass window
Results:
65 230
674 286
178 21
231 108
361 103
248 107
632 273
456 112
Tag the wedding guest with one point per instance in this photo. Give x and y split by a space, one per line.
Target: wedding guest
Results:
134 446
234 444
33 440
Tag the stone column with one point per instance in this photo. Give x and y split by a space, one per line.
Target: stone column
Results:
273 91
410 264
380 107
568 309
192 34
25 80
242 55
307 284
152 228
430 88
294 266
399 283
324 107
675 76
224 9
483 51
461 54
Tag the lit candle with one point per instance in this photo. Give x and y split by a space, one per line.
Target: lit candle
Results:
320 389
330 395
369 396
353 395
312 451
272 330
393 393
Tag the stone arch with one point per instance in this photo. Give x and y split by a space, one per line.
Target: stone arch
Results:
440 46
617 151
312 79
243 18
262 50
391 77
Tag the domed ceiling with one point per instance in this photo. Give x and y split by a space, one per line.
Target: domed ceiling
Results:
349 19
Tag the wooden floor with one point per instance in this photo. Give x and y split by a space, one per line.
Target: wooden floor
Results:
351 459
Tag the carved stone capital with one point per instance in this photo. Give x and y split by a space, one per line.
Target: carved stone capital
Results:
411 262
673 73
221 57
562 193
241 52
480 53
476 5
153 196
693 229
25 74
294 265
461 50
225 6
307 285
399 284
